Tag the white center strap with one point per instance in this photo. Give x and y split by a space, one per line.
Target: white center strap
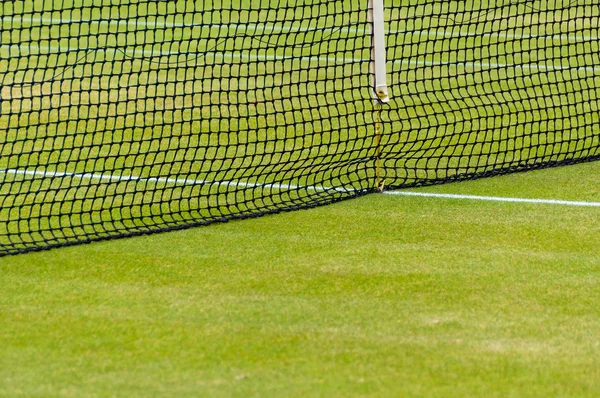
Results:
379 56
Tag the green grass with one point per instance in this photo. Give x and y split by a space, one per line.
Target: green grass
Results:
379 296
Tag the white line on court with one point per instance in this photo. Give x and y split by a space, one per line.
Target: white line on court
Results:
493 65
28 49
457 33
168 25
188 181
165 180
16 50
495 198
451 32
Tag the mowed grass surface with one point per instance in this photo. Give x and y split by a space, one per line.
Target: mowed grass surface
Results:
380 296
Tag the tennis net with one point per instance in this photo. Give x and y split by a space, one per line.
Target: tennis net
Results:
121 118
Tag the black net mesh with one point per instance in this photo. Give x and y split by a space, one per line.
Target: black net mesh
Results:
127 117
482 87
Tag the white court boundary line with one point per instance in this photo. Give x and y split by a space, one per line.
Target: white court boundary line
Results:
188 181
33 50
495 198
165 180
29 49
166 25
446 33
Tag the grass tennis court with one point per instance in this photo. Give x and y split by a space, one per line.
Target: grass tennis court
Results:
381 295
121 118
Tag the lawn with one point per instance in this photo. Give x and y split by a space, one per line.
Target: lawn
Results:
381 295
131 118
